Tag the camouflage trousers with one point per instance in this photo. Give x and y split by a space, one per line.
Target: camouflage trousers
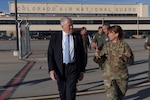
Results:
101 66
115 90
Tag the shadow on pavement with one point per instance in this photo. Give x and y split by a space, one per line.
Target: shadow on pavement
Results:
140 95
90 70
33 82
136 74
140 62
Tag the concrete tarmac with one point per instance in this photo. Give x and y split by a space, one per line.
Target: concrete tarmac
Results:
28 79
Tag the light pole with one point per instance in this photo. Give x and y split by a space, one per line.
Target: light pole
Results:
137 26
103 21
16 18
16 52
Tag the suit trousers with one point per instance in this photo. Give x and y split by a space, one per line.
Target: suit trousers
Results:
67 83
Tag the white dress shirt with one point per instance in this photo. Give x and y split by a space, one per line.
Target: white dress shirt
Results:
71 46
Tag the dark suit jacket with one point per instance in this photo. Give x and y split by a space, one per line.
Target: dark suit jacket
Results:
55 55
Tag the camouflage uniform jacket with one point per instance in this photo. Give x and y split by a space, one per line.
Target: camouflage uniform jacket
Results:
115 67
99 39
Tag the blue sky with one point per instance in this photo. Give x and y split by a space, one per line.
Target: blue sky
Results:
5 7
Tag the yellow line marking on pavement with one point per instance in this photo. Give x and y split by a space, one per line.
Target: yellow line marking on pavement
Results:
78 93
57 95
140 85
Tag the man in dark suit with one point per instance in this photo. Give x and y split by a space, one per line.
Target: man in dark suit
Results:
67 73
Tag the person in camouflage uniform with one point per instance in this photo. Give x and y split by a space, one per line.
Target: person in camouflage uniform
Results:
115 72
147 46
105 31
99 39
97 43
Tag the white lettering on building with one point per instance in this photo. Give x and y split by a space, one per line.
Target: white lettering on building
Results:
49 8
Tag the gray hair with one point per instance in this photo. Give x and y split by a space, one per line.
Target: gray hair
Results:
64 19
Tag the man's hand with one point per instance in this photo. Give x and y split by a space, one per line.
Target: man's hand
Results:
96 54
53 75
148 47
123 57
93 45
81 76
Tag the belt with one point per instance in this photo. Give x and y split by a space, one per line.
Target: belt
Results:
72 63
